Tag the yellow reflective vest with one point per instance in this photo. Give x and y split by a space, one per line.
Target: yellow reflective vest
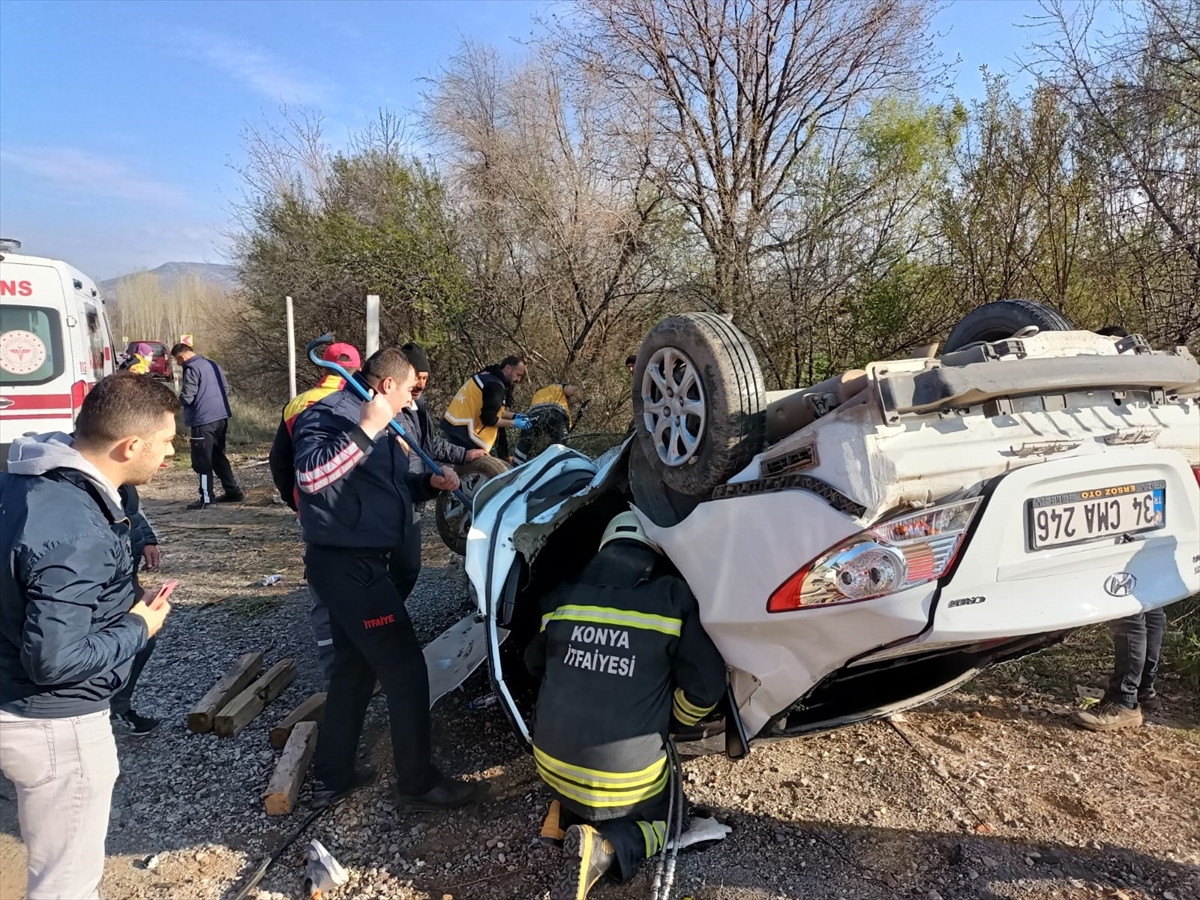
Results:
552 394
464 414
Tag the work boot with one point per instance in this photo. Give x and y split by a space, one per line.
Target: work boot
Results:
1110 715
199 505
552 832
1149 701
324 795
588 857
133 724
447 793
231 497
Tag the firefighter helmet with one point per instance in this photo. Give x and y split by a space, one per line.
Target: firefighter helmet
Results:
627 526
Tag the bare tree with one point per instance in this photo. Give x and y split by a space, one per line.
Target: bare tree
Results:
559 223
736 90
1135 94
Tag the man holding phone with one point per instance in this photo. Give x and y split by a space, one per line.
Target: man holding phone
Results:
70 625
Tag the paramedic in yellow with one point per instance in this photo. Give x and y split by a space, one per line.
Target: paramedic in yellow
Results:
550 415
621 654
484 405
139 361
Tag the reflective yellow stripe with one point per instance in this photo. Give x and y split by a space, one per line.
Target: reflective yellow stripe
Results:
597 778
686 712
604 799
601 615
654 835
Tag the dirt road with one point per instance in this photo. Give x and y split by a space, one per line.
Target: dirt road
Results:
988 794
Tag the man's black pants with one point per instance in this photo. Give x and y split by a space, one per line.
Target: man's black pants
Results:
635 838
373 639
122 700
208 459
1137 641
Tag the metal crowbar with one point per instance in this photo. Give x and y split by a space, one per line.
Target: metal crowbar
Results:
327 338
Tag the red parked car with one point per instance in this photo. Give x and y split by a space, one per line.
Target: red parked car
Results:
160 361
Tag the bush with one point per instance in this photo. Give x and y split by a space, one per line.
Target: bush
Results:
1182 641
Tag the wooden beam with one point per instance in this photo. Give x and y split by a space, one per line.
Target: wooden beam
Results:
289 773
239 711
311 710
240 674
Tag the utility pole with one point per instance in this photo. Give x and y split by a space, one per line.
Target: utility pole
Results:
291 330
372 323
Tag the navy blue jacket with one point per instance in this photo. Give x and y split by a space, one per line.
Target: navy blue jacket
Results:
203 393
354 492
417 423
67 640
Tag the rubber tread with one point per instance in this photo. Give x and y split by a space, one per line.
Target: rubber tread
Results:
745 391
976 324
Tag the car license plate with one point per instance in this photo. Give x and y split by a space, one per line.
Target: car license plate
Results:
1104 512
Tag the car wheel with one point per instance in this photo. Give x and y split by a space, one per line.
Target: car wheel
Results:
661 504
454 516
699 401
1002 319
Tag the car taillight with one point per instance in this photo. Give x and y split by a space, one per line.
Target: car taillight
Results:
890 556
1196 472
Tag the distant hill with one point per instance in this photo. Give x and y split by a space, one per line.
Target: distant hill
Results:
222 276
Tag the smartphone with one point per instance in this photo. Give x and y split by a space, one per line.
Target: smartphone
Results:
164 592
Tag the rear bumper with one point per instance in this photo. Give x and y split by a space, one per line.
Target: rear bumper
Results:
1003 588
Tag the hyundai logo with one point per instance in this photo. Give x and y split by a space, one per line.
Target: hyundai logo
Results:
1120 584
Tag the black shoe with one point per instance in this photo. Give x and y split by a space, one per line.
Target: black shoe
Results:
1150 702
324 795
199 504
133 724
446 794
231 497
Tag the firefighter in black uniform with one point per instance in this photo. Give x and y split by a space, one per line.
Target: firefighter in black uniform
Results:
356 495
621 653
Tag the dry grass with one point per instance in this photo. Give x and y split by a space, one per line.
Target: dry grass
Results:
253 422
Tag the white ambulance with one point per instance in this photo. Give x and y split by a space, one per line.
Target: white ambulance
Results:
55 344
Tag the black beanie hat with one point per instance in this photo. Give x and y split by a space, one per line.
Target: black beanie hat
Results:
416 355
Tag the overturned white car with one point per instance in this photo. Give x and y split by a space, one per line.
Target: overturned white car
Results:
866 546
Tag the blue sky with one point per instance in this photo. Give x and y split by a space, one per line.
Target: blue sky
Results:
119 120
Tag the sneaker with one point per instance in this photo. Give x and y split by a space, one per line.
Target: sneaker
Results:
133 724
198 505
1149 702
231 497
448 793
324 795
1108 716
588 856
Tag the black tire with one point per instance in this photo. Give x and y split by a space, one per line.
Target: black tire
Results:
453 522
1002 319
662 505
731 393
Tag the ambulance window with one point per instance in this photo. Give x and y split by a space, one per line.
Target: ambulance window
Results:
96 344
31 347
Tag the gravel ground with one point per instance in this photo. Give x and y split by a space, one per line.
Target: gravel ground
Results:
988 794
